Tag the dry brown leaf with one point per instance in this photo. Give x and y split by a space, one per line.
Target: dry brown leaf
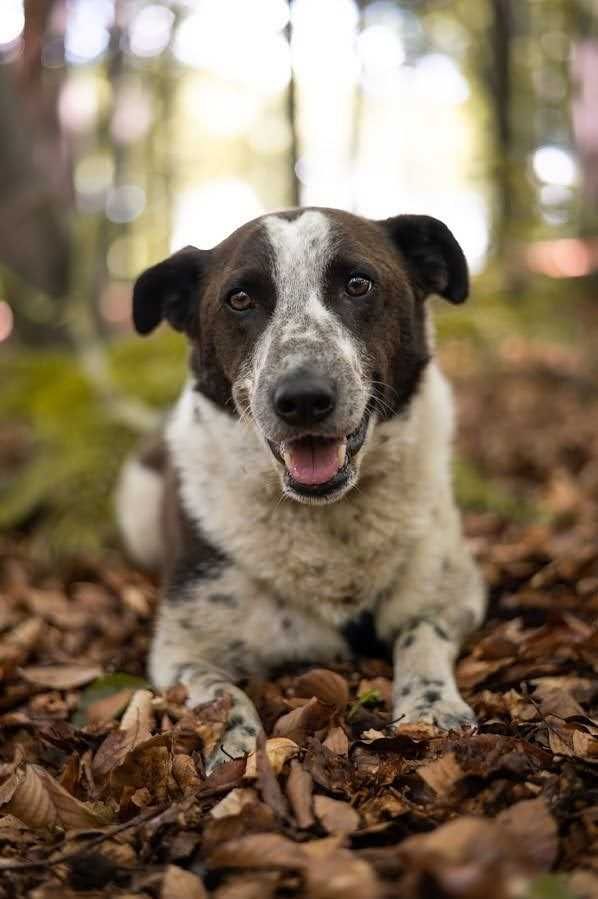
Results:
335 816
256 886
337 741
259 850
267 783
40 802
531 825
60 677
185 773
325 685
299 793
471 857
471 671
382 808
137 718
149 764
442 774
204 725
335 872
234 802
569 738
369 736
279 750
554 700
181 884
20 641
104 710
134 731
304 721
583 884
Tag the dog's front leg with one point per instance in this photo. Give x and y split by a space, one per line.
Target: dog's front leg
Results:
197 644
439 602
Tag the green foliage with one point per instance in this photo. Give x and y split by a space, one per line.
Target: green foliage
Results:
491 316
369 698
549 886
75 444
478 493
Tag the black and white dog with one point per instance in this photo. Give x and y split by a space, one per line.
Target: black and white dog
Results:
304 481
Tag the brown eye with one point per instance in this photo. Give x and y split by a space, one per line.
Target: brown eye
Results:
240 301
358 286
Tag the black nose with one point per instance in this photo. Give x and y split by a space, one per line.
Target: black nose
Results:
304 399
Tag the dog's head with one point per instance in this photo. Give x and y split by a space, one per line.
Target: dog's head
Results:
311 322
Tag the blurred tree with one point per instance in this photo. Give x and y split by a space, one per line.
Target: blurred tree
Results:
295 187
34 174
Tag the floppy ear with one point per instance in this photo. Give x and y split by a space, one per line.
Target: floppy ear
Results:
434 257
169 290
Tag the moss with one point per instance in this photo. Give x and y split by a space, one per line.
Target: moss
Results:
151 370
478 493
75 444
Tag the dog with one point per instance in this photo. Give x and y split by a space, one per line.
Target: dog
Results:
302 496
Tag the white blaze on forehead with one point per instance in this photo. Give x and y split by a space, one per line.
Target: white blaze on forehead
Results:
302 323
302 248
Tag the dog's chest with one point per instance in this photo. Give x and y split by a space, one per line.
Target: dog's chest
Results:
337 559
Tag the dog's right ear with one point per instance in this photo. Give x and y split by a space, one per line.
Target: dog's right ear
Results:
169 290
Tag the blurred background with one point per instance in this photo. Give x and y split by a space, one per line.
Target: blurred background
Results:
131 128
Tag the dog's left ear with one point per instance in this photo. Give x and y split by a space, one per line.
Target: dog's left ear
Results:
435 259
169 290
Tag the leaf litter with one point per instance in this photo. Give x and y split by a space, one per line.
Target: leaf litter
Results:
103 789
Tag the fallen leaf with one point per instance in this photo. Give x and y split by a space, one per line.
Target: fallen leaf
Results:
256 886
531 825
234 802
60 677
279 750
337 741
299 792
335 816
185 773
134 731
335 872
303 721
104 710
181 884
138 716
325 685
259 850
442 774
33 796
103 688
267 782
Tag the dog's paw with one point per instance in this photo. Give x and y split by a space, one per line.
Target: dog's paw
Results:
443 708
239 740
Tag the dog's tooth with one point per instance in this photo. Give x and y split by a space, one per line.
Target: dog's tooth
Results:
284 452
342 453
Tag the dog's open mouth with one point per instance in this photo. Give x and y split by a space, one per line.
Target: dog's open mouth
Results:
316 465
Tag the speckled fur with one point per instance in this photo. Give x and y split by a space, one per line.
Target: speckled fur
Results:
296 574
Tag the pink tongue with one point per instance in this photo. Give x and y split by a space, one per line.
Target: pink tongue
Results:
313 461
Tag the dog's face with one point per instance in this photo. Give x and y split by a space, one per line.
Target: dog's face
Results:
312 323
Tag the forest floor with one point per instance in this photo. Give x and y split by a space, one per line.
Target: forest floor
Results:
102 789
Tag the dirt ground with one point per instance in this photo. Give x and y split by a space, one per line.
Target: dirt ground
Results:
102 788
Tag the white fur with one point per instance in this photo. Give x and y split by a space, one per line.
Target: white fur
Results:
138 503
302 248
359 547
